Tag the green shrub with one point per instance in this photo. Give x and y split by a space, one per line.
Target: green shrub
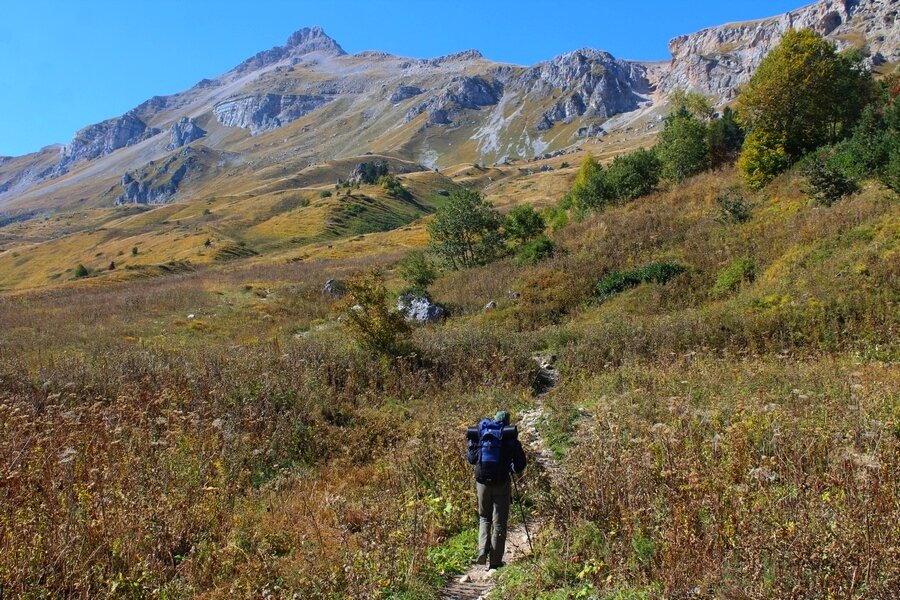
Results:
692 103
394 188
590 190
371 321
81 271
868 150
523 224
633 175
682 146
725 138
534 251
556 217
370 172
466 232
733 207
890 176
875 143
628 177
732 276
826 184
134 251
619 281
325 194
643 547
763 158
417 270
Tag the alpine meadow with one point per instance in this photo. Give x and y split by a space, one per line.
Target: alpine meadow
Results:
247 330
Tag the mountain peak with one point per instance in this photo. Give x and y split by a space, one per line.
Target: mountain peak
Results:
312 39
303 41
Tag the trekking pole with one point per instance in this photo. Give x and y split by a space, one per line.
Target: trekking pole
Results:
522 510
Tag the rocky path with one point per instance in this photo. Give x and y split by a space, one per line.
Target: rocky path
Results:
477 582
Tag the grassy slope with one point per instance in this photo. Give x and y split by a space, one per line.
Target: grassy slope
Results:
284 213
221 384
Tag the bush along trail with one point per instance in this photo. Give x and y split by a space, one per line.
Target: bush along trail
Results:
477 582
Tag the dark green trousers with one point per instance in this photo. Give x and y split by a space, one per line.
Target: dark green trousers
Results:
493 514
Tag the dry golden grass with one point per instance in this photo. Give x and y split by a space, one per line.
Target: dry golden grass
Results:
213 432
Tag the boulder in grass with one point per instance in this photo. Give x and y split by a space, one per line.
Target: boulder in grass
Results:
419 308
334 288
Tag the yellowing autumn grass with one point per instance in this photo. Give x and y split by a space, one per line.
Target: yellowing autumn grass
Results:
209 429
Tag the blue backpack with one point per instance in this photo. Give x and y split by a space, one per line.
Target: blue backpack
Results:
490 445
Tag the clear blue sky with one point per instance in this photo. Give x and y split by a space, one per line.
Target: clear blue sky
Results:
68 63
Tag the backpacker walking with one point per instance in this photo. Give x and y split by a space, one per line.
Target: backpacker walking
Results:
496 452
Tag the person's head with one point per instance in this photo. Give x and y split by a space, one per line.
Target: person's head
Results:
502 417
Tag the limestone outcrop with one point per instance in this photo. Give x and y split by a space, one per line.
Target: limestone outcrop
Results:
105 137
183 132
262 112
718 60
588 83
463 92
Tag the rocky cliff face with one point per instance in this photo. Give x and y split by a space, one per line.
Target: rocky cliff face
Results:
266 111
105 137
405 92
589 83
718 60
183 132
146 192
159 181
475 109
300 43
18 174
461 94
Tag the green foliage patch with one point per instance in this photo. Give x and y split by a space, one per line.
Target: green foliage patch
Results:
730 278
417 270
394 188
786 120
619 281
826 184
523 224
534 251
683 147
467 231
733 207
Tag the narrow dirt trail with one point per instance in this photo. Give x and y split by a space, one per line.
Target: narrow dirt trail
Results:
477 582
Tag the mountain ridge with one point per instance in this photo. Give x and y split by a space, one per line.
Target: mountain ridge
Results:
251 155
510 111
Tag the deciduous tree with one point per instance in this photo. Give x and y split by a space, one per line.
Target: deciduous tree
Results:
803 95
466 230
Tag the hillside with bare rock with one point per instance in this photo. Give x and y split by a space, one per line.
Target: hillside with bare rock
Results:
307 105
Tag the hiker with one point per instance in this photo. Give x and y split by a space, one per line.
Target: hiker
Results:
495 450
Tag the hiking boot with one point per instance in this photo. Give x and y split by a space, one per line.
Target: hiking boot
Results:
495 567
482 559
